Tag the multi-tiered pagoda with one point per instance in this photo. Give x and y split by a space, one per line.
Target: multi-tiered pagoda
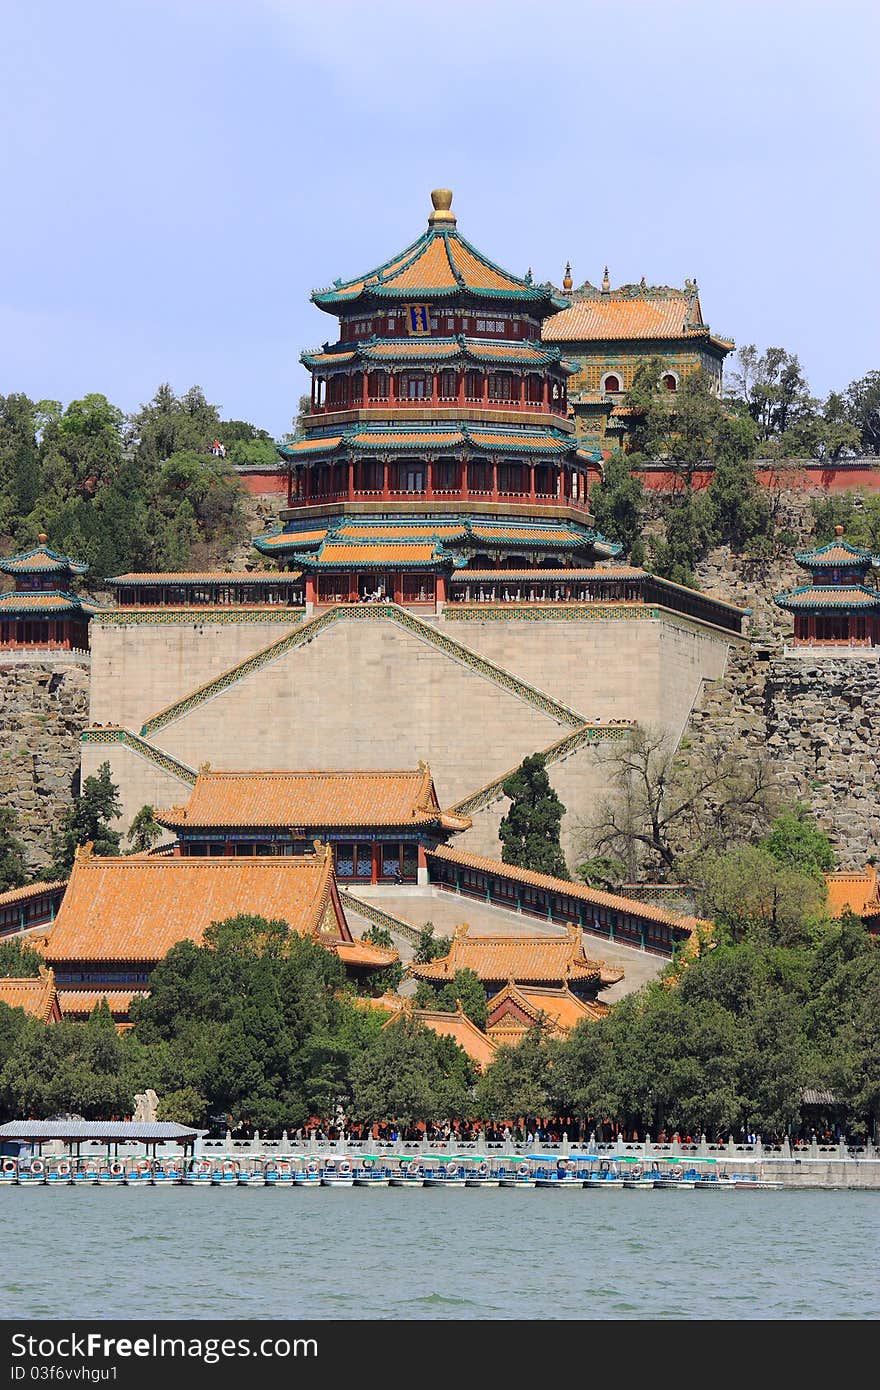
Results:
438 437
41 611
838 608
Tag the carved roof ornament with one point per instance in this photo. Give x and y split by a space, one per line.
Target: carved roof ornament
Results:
567 280
606 283
442 216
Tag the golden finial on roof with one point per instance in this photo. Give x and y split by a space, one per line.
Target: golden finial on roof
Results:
567 280
441 216
643 284
42 538
838 530
606 283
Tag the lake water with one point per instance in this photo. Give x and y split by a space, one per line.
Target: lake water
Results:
393 1253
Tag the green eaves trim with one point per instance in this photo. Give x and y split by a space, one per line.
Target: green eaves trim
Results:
145 750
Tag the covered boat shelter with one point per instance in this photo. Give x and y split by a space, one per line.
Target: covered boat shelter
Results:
77 1132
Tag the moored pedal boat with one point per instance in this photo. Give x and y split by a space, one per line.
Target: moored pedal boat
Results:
409 1173
85 1172
479 1173
441 1171
167 1172
251 1174
515 1172
307 1173
279 1173
337 1172
225 1173
199 1173
140 1174
31 1174
8 1172
111 1174
371 1172
59 1172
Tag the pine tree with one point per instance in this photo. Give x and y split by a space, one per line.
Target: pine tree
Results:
530 831
86 822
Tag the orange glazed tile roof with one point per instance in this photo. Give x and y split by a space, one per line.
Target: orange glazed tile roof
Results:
561 1009
174 577
35 994
649 911
521 958
615 315
414 349
830 596
377 555
477 272
557 576
527 534
439 439
135 908
292 538
364 953
83 1001
541 443
31 890
42 603
309 799
840 554
459 1027
391 1003
431 269
856 891
321 442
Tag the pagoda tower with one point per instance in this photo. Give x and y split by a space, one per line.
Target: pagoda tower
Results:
41 612
438 437
838 609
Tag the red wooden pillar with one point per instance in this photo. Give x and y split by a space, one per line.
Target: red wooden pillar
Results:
464 478
440 589
350 478
311 589
434 396
313 395
364 395
494 480
485 388
384 477
392 388
398 587
532 481
461 387
545 397
429 474
376 866
522 393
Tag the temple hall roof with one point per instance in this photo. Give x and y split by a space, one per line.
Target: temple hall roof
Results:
45 603
84 1001
526 959
30 891
559 1008
438 265
136 907
459 1027
40 560
377 352
35 994
820 596
651 912
308 799
837 554
631 312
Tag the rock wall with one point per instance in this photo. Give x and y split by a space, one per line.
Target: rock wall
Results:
43 710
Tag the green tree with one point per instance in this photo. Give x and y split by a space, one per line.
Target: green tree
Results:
183 1107
529 832
863 402
465 989
18 960
740 510
144 830
430 947
773 389
405 1075
384 978
750 890
516 1083
13 867
618 502
87 821
796 841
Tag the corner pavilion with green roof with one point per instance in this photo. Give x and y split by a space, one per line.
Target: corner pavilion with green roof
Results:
838 609
41 612
438 435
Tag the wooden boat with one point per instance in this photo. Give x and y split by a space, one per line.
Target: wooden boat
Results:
337 1172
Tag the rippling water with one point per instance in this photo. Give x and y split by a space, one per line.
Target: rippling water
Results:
393 1253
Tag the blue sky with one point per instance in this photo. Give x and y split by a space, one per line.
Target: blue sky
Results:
177 177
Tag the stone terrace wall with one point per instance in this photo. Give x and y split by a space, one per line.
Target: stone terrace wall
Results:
43 710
